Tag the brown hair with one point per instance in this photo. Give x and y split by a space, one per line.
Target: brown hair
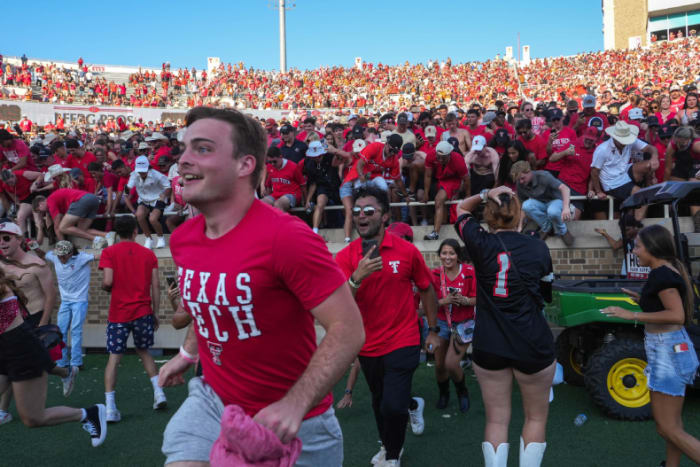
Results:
658 241
248 136
36 201
506 216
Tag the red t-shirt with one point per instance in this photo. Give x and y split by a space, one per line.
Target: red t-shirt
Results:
285 181
21 188
385 298
377 165
565 138
133 266
465 281
536 145
12 155
576 170
255 333
454 170
60 200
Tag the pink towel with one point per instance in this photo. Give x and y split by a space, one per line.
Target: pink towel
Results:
245 442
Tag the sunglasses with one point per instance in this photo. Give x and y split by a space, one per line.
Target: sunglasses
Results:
6 238
367 210
528 110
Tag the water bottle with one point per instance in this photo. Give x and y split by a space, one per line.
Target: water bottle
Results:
580 419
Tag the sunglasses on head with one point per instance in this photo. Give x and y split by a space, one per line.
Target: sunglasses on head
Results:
367 210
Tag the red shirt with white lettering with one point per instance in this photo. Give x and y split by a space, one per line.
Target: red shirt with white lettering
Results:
249 295
60 200
465 281
132 266
566 137
377 165
536 145
285 181
385 298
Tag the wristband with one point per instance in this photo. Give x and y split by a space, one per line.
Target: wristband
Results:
348 391
353 284
188 357
484 194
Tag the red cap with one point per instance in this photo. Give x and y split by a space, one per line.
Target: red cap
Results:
271 122
401 229
591 133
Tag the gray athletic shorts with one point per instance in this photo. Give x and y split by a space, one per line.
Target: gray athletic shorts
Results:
191 432
85 208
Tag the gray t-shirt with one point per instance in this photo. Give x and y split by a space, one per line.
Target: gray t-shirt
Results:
543 187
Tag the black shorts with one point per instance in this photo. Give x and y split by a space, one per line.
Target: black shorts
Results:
160 205
22 355
493 362
481 182
29 199
34 319
622 192
333 194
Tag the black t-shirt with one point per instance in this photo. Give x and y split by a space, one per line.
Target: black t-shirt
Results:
320 170
295 152
661 278
509 301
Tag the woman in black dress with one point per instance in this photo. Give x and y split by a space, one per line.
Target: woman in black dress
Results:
511 335
666 301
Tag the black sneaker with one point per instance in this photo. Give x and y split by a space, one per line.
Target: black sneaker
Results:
432 236
95 423
464 402
442 402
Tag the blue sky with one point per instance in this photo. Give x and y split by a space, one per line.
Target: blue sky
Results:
318 32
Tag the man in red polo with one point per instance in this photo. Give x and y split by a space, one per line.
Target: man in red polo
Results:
381 278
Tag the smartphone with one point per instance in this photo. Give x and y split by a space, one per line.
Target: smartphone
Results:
170 280
367 245
453 290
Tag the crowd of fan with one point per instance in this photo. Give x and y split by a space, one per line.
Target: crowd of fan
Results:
610 74
548 151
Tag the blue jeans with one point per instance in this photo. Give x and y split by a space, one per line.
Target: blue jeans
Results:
71 315
377 182
546 215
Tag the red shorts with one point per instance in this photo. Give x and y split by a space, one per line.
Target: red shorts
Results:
450 186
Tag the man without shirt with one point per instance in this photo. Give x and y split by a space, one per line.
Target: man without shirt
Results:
264 296
453 130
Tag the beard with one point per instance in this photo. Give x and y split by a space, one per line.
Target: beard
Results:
372 231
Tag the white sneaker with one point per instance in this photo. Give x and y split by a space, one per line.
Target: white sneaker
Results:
113 415
69 382
98 243
424 222
148 243
159 401
390 463
347 240
5 418
416 417
111 238
161 242
379 457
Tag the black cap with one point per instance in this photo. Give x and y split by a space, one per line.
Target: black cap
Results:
402 118
358 131
395 141
72 144
287 129
454 142
386 117
652 120
501 135
408 150
555 114
666 130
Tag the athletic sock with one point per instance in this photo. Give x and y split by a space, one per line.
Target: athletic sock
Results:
413 405
460 387
444 386
109 399
84 415
315 229
154 382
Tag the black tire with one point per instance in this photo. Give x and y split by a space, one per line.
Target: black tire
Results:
615 381
569 358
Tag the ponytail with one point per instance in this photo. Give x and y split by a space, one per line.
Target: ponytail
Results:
689 297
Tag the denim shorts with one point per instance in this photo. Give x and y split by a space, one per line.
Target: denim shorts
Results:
346 190
192 431
668 371
445 331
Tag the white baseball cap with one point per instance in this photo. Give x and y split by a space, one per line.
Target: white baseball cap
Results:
478 142
142 164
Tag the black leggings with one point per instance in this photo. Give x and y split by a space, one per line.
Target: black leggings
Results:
389 379
493 362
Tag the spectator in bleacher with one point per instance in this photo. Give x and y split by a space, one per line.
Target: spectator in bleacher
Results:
78 156
348 183
14 153
689 112
283 181
535 144
545 200
291 147
72 211
629 228
482 162
322 180
588 114
16 187
665 113
559 139
515 151
452 129
153 189
72 269
682 155
611 170
575 168
308 127
452 179
378 164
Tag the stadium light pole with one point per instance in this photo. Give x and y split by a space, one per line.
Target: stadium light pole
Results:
282 6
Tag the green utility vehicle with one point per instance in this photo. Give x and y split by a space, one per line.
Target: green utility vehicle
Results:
604 354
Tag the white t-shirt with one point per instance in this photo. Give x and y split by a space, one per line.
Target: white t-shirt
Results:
612 164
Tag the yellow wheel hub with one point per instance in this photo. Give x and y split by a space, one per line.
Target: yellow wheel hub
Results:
574 364
627 383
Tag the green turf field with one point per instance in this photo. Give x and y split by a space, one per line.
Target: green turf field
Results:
447 441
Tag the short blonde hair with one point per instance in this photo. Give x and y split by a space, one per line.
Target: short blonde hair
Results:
519 168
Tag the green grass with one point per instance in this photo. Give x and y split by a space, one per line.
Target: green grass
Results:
447 441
